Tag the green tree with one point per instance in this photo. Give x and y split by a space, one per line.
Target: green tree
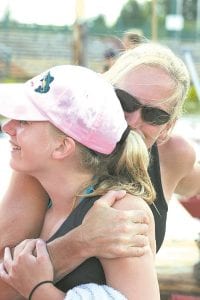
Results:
6 20
132 15
190 10
98 25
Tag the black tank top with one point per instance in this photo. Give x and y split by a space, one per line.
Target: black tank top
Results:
91 270
159 207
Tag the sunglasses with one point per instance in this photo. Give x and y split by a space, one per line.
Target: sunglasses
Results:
149 114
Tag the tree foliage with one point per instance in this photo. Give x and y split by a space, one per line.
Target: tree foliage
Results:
132 15
98 25
188 8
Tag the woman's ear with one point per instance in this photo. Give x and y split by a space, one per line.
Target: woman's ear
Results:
65 148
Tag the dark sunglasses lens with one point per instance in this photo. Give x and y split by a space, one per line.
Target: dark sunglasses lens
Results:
128 102
129 106
150 115
155 116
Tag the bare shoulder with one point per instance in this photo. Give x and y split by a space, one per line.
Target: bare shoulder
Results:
130 202
178 151
178 167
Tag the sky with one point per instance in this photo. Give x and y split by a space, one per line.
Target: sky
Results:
59 12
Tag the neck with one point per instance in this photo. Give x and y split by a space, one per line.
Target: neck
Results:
63 187
62 192
62 184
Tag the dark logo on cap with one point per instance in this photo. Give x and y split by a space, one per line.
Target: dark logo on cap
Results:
45 84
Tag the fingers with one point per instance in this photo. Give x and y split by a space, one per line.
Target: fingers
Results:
6 265
142 229
128 228
29 248
7 259
123 251
130 222
3 273
26 247
139 241
138 216
20 247
41 249
7 254
110 197
133 251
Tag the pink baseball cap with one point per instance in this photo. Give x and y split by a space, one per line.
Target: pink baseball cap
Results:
78 101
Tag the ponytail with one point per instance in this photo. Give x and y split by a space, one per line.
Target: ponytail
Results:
126 168
133 165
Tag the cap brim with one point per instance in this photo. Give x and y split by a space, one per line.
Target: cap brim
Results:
15 103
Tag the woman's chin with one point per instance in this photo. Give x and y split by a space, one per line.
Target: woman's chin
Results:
16 167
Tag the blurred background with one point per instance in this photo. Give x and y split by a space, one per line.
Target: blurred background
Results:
36 35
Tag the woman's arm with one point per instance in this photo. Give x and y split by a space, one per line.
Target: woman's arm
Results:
135 277
22 210
127 238
33 275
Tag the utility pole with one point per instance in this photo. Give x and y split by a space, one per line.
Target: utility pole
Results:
79 35
154 21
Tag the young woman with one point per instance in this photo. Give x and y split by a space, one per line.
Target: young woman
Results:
71 135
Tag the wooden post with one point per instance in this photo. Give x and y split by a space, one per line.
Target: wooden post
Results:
79 35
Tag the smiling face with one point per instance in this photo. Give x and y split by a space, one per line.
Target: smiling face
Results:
32 144
150 85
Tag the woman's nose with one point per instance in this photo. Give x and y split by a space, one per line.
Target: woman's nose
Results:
134 119
9 127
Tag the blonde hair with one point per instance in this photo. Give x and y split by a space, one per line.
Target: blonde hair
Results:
126 168
154 55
